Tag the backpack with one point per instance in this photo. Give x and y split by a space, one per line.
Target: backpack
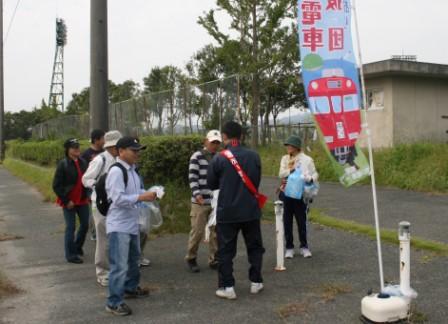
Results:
102 201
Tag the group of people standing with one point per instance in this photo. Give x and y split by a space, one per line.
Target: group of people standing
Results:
234 172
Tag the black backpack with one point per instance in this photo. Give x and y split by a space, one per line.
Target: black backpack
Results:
102 201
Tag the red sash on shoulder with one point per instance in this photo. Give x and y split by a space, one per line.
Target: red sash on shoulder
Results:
262 199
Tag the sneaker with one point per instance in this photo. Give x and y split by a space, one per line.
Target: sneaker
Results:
213 265
305 252
138 293
193 266
103 282
145 262
289 254
120 310
226 293
256 287
76 260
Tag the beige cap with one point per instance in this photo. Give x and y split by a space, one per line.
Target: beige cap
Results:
214 135
111 138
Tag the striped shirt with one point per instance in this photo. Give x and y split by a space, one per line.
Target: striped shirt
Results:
197 176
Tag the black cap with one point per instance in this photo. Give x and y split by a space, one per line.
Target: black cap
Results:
130 142
71 143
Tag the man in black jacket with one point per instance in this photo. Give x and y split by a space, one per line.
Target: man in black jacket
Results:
73 197
237 210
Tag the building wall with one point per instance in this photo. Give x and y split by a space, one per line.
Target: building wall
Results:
380 120
418 105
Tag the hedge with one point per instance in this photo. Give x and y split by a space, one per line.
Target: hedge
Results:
165 159
45 153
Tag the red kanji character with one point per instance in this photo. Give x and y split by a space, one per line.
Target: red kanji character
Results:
311 12
334 5
336 38
312 38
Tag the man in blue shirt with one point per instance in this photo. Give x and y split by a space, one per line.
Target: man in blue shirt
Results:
122 227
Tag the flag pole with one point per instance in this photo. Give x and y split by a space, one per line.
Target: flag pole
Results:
369 144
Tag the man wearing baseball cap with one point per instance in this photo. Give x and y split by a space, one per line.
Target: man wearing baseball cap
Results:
201 201
97 167
124 189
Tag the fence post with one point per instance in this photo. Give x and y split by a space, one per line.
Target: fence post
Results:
279 236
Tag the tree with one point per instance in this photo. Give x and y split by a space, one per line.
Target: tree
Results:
258 23
79 104
19 125
162 84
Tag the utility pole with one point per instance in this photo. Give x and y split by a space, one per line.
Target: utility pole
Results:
99 100
2 96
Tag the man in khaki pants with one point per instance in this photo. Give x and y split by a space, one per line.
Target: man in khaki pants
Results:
201 201
97 167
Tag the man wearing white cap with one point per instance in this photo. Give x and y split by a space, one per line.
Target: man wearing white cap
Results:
201 201
97 167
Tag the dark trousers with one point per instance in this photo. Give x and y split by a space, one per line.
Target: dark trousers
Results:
298 209
73 246
227 244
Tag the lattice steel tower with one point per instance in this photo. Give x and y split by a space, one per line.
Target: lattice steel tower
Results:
56 98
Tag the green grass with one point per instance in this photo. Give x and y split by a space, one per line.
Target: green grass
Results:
39 177
420 166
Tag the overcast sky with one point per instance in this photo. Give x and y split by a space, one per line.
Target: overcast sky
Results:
146 33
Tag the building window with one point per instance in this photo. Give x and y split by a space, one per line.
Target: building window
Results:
375 99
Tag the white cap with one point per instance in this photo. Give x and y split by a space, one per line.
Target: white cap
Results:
214 135
111 138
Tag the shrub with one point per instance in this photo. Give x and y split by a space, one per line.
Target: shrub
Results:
165 159
46 153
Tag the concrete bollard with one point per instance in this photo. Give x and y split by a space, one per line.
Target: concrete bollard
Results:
280 235
404 236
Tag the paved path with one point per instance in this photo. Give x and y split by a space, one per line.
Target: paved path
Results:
58 292
428 213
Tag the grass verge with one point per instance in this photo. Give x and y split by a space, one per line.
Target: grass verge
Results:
419 166
387 235
37 176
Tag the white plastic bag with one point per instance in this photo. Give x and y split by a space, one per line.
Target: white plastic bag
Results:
212 216
150 216
144 214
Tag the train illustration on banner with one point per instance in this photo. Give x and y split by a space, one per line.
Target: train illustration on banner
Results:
333 99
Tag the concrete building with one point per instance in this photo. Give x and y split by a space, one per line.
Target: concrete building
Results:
406 102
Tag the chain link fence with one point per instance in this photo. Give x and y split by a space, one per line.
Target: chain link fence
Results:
188 109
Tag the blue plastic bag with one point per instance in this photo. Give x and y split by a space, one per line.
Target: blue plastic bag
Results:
295 185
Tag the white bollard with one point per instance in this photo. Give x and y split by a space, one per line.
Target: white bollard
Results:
279 236
404 236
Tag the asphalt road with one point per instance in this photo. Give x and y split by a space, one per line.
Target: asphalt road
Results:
58 292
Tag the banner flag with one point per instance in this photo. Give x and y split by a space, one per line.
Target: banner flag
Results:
332 85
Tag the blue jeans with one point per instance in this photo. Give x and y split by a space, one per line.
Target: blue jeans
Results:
124 275
74 246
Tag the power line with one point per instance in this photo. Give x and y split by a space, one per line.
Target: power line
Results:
11 22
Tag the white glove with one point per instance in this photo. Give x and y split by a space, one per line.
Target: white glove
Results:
159 190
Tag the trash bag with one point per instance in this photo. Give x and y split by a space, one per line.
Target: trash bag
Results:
144 215
150 216
155 217
310 191
295 185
